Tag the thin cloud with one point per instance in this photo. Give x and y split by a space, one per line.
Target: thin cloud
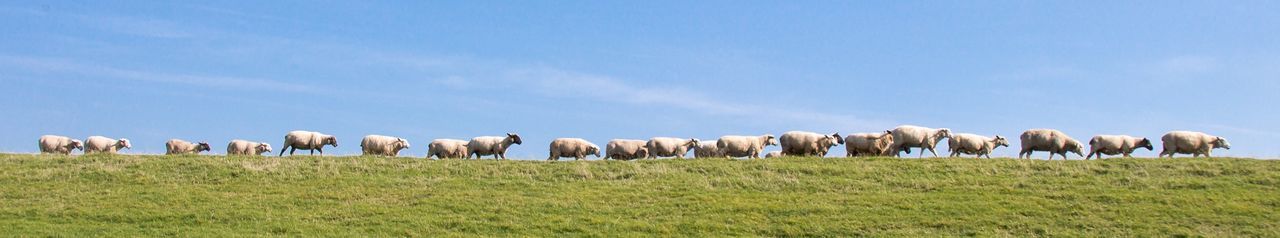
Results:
107 72
1242 130
553 82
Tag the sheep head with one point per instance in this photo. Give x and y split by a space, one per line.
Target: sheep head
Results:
595 150
264 147
330 140
515 138
1001 141
1075 147
1145 143
402 142
202 146
1219 142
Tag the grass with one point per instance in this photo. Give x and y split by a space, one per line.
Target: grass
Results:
358 196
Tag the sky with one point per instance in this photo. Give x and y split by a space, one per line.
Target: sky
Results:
214 71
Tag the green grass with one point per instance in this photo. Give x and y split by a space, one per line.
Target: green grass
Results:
355 196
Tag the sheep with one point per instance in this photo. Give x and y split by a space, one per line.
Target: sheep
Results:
59 144
744 146
383 145
244 147
1190 142
667 147
626 149
492 145
307 140
572 147
907 136
707 150
99 144
872 144
176 146
1116 144
774 154
447 149
1053 141
803 143
974 144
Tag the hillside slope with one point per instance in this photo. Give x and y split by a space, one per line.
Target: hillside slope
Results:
221 196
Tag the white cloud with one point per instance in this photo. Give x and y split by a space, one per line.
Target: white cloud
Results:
1242 130
1184 65
555 82
100 71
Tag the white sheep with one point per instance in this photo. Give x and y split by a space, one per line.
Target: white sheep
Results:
974 144
668 147
907 136
59 144
803 143
492 145
447 149
626 149
744 146
244 147
307 140
1190 142
176 146
572 147
869 144
99 144
1116 144
383 145
707 150
1053 141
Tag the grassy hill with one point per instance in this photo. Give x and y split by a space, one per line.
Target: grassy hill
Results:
234 196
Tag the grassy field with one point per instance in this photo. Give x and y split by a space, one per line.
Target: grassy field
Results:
235 196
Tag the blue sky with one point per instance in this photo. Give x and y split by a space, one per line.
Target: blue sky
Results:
215 71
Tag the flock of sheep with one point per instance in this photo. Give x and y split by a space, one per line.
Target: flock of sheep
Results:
794 143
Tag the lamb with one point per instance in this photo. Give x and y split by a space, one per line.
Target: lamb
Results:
803 143
307 140
244 147
907 136
383 145
974 144
626 149
53 144
1190 142
1116 144
744 146
447 149
869 144
667 147
572 147
98 144
774 154
1053 141
176 146
492 145
707 150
